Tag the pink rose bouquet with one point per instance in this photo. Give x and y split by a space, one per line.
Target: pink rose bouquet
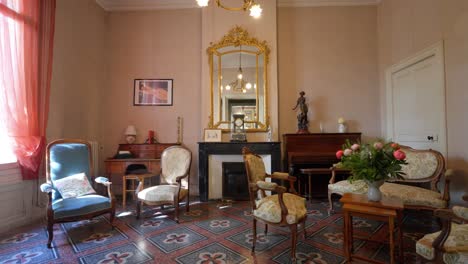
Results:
372 162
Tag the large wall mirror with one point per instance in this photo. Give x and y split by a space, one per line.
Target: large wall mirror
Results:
238 80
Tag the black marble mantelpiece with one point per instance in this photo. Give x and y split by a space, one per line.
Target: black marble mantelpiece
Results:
205 149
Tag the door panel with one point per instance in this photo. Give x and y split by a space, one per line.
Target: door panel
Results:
418 105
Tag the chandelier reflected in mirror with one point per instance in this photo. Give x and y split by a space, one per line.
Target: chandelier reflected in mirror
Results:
254 8
239 84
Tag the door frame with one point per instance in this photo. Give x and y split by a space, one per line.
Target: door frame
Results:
436 51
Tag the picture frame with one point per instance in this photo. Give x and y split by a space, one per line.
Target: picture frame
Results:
212 135
153 92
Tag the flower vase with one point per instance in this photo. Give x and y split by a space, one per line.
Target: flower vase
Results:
342 128
373 191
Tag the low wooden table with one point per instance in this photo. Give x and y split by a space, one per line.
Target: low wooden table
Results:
387 210
310 172
140 177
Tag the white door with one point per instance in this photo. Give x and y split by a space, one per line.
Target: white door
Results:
417 101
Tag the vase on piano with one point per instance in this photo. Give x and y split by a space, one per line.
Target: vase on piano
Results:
342 128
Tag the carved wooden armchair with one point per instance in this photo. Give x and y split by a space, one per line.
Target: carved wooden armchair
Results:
69 174
450 245
282 209
175 181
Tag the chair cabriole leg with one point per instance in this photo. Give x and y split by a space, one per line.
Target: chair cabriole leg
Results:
176 213
330 208
50 230
293 241
254 235
138 209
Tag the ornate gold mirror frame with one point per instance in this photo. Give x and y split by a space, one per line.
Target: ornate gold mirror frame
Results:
238 41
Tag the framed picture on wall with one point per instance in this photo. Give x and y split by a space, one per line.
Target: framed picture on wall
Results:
152 92
212 135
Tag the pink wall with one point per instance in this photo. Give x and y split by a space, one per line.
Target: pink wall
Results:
162 44
408 26
79 70
331 54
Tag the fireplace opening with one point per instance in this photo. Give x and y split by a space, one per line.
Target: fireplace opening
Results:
235 184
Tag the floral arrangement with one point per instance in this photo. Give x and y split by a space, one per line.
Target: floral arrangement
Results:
341 120
372 162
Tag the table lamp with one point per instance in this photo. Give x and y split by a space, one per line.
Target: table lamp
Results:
130 134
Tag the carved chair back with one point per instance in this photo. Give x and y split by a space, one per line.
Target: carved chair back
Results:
175 162
423 166
67 157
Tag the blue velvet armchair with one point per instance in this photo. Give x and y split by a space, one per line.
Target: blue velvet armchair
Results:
65 159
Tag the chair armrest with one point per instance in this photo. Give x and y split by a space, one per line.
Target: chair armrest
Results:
446 195
103 180
46 188
461 212
179 178
270 186
282 176
446 214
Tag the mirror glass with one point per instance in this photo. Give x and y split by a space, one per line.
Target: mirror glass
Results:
238 81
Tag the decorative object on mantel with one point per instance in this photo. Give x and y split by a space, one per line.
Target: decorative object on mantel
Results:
238 129
212 135
322 129
254 8
342 128
151 137
130 134
302 121
269 134
372 163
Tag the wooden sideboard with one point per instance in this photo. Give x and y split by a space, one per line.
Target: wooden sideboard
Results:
148 155
314 150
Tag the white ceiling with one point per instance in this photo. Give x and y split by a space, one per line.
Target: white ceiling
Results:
121 5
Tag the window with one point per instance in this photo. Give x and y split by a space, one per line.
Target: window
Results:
8 44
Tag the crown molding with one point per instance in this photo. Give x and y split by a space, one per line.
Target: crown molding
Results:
314 3
131 5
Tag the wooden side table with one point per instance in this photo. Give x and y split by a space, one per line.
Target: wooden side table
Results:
139 177
387 210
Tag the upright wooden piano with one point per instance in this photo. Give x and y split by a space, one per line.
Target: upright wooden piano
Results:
315 150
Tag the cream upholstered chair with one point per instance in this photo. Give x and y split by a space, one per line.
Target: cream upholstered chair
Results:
424 166
282 209
175 181
450 245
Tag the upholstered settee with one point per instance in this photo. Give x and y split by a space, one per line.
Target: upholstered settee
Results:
424 167
450 245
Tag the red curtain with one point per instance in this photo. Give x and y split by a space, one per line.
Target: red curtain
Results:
26 33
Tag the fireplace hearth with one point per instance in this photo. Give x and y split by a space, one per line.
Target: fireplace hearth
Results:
235 184
230 152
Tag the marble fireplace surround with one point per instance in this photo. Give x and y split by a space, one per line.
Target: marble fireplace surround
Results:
211 156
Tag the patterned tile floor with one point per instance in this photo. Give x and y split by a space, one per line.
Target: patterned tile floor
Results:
208 234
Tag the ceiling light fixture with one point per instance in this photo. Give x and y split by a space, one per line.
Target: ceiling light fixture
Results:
254 8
